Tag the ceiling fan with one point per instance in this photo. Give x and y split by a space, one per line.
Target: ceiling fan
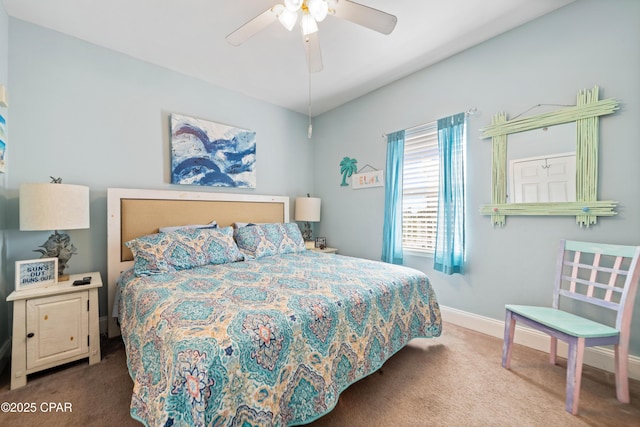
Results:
309 13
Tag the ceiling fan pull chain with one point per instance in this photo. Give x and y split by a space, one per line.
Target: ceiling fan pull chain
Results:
310 129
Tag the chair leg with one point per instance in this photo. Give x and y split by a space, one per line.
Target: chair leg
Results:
553 350
574 374
507 345
622 372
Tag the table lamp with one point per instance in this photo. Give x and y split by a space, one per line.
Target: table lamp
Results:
55 206
307 210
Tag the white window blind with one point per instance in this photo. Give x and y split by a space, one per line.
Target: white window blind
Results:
421 169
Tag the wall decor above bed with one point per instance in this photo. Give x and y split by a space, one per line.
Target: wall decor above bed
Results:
211 154
3 144
586 207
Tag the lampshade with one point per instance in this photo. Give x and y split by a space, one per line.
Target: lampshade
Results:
53 207
307 209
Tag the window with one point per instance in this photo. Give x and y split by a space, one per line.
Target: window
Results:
421 169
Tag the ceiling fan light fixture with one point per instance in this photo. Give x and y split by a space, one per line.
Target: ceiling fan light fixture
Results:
331 4
287 18
309 25
293 5
318 9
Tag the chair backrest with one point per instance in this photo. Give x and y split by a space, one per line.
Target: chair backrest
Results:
601 274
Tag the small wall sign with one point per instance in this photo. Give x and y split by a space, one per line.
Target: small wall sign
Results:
367 179
36 273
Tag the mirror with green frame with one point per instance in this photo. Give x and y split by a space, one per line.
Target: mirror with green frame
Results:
542 165
585 114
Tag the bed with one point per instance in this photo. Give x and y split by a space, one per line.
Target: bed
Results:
262 332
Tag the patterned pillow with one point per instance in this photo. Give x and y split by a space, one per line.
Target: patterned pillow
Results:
183 249
293 238
269 239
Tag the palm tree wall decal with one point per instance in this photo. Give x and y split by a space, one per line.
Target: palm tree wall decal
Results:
347 168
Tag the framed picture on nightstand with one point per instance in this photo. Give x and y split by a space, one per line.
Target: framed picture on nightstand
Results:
321 242
35 273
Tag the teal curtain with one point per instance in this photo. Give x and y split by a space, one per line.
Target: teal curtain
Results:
392 230
450 239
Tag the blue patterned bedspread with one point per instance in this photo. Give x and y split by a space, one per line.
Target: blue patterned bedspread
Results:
270 342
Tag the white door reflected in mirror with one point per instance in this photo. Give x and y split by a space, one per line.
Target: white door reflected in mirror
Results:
544 179
540 167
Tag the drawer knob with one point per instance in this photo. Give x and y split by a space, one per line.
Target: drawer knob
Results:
30 335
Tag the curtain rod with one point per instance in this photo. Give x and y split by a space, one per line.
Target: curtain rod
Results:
470 112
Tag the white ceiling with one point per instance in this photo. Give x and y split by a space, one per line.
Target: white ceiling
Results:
188 36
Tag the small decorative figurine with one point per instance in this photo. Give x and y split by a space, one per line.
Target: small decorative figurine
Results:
59 246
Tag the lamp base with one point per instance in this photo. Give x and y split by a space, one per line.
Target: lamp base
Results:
59 246
306 232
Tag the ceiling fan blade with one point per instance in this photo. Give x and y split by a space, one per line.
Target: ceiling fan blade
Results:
366 16
252 27
312 52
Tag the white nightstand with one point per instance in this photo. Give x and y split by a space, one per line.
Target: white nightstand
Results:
53 325
325 250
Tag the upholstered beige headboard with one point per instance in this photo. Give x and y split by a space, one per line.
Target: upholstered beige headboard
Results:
133 213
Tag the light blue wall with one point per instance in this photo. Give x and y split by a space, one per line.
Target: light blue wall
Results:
589 42
99 118
4 80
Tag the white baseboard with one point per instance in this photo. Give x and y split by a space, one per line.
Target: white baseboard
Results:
598 357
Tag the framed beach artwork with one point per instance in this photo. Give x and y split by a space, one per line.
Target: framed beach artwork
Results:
211 154
3 144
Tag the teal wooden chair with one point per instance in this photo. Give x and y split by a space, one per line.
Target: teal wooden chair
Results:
591 274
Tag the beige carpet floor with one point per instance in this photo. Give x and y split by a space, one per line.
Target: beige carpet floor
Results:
453 380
